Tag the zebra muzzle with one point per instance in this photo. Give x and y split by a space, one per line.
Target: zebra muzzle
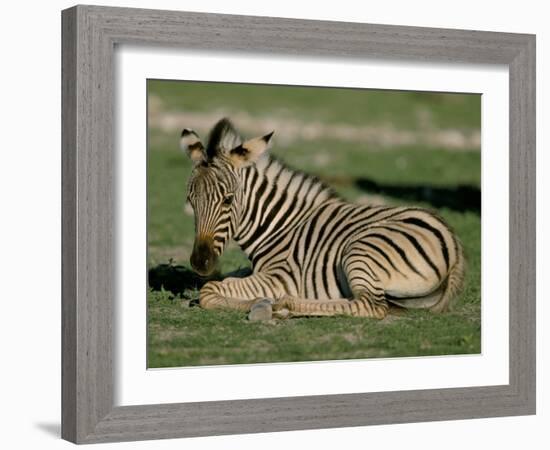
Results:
203 259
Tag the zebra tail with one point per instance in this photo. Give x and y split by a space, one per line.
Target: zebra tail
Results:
454 284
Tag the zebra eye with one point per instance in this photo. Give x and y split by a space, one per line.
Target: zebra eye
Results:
228 199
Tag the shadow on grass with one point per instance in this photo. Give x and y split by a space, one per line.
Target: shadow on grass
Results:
460 198
174 278
177 279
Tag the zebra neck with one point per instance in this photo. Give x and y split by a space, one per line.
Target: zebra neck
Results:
275 200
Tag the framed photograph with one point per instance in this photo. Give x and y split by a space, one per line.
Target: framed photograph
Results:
278 224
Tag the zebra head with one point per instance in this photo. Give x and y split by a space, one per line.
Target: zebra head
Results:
215 188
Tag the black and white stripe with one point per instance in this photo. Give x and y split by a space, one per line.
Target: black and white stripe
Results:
313 253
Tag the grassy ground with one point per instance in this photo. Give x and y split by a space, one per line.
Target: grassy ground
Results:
180 334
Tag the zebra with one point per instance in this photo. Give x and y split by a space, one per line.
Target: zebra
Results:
312 252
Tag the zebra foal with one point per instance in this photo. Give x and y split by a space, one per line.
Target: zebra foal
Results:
312 252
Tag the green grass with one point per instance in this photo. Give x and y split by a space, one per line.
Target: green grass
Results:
335 105
180 334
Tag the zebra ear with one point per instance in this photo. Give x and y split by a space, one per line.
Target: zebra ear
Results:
191 144
250 151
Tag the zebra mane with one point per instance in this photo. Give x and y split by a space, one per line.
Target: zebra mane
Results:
306 175
223 137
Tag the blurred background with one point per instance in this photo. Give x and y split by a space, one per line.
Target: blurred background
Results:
372 146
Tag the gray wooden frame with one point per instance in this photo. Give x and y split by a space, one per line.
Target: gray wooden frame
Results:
89 36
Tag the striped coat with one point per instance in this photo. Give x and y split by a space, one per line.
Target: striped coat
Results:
312 252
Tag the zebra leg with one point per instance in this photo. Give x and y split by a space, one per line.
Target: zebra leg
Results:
363 304
238 293
365 284
368 295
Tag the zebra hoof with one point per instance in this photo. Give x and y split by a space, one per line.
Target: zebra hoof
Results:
261 311
281 314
